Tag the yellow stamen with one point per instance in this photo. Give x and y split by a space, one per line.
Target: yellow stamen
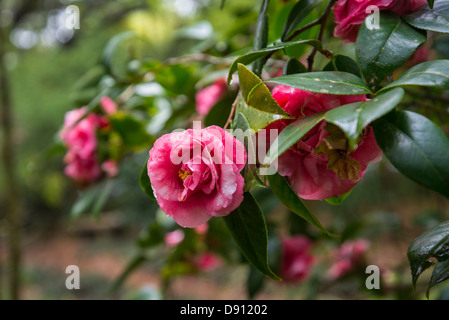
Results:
183 174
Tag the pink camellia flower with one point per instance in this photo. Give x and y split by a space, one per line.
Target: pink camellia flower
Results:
209 96
348 256
108 105
174 238
350 14
195 174
318 166
297 260
207 261
79 136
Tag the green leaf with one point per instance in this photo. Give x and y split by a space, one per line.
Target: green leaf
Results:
242 131
330 82
290 199
254 282
440 273
435 19
431 3
256 93
353 118
261 36
428 247
416 147
144 181
381 51
343 63
336 201
293 66
298 13
290 135
131 130
256 102
255 55
248 228
257 119
428 74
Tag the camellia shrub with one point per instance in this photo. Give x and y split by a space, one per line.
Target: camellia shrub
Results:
288 116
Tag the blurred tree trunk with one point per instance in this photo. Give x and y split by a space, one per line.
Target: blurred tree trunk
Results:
12 200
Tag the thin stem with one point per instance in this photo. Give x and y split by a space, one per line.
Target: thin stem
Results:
323 22
231 114
312 24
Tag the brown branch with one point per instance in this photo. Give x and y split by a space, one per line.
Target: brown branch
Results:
231 114
322 22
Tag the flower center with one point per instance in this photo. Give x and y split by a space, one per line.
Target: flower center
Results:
183 174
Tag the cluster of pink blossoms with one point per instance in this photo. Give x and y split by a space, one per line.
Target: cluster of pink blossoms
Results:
197 188
79 135
317 167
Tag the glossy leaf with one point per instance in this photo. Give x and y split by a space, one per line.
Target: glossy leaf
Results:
345 64
297 14
435 19
256 93
255 55
381 51
293 66
256 102
291 200
248 228
261 36
433 244
439 274
243 132
290 136
353 118
257 119
416 147
330 82
428 74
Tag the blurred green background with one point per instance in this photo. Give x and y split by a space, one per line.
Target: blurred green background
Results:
45 62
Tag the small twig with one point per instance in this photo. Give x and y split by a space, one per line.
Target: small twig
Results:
318 21
322 22
231 114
